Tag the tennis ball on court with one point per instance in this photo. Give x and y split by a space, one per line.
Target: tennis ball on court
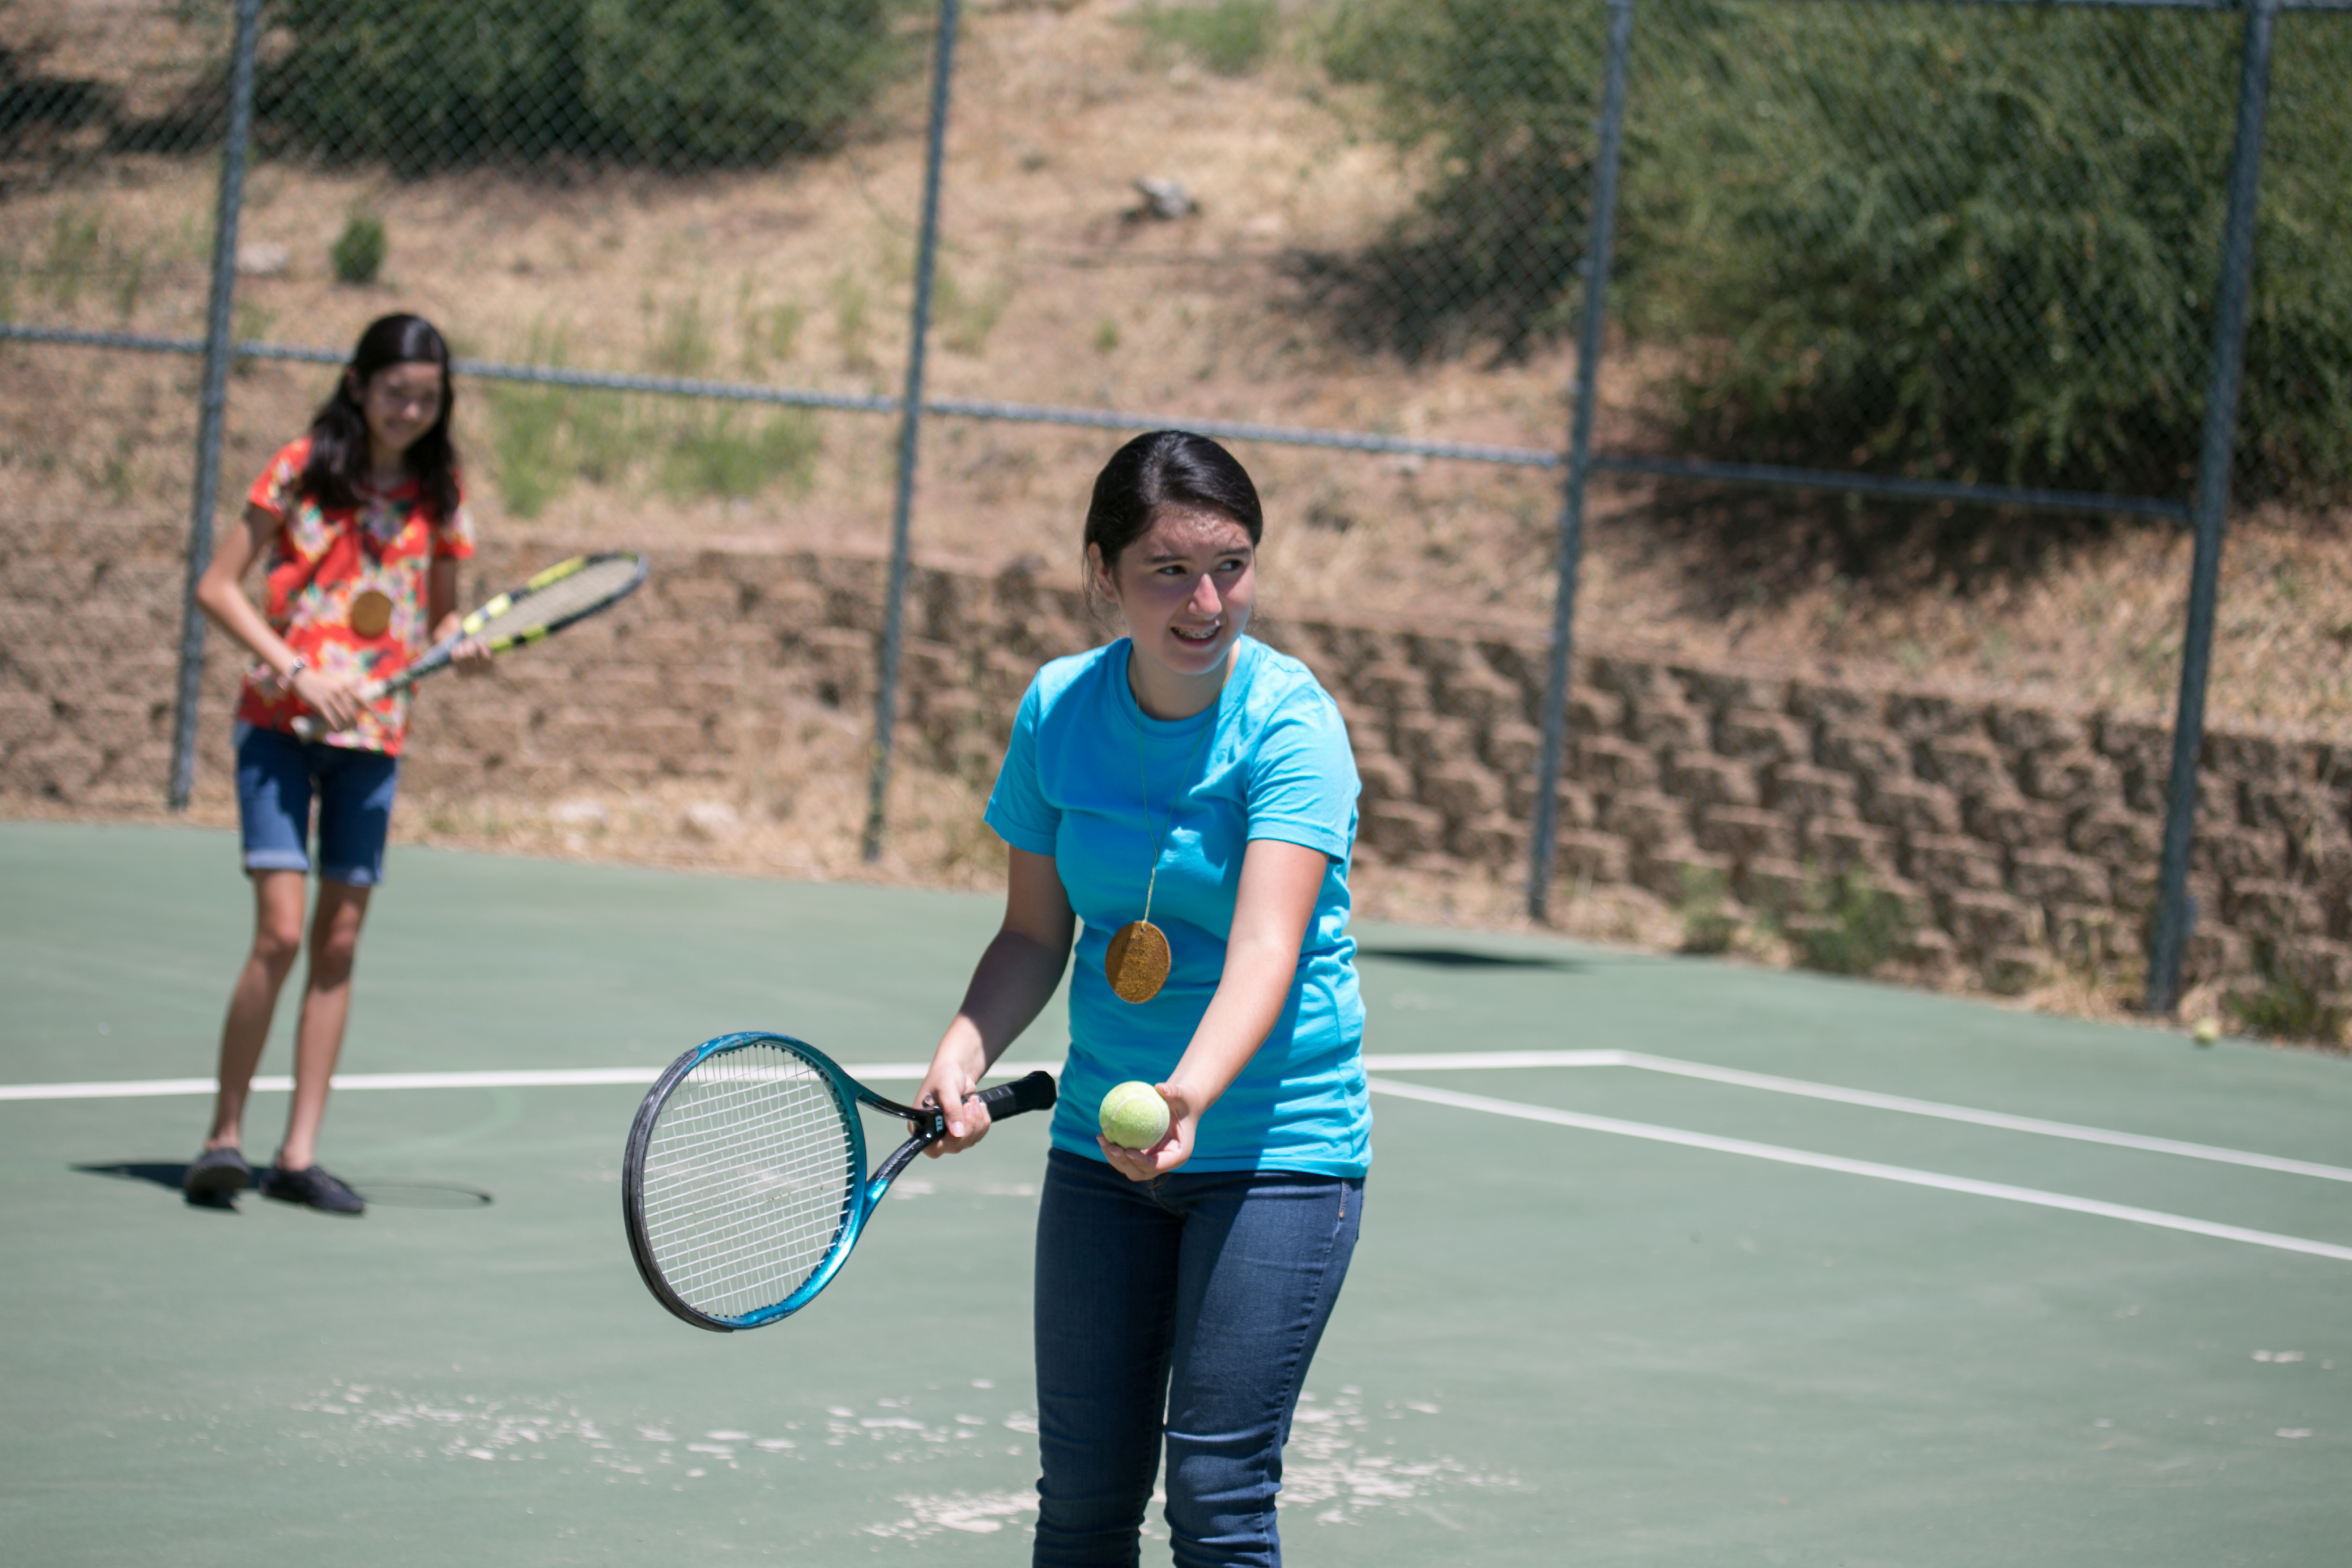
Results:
2207 1030
1134 1116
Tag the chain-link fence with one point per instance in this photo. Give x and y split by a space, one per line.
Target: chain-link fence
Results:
1987 255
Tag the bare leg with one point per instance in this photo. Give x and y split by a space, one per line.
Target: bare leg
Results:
326 1005
277 899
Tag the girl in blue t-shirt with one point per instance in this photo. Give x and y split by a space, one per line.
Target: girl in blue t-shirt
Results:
1185 785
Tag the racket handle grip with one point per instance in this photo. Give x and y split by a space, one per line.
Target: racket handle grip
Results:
308 727
1034 1093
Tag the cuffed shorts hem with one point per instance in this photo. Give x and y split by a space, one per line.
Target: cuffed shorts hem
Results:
277 861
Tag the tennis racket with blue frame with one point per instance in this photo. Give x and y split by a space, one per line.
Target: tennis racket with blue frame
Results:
744 1184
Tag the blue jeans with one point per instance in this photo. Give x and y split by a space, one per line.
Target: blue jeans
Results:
275 776
1199 1298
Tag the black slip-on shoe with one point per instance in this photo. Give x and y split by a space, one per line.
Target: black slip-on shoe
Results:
312 1187
217 1175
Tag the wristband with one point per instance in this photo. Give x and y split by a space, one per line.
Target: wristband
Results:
293 671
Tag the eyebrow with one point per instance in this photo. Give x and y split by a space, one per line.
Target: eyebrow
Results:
1181 554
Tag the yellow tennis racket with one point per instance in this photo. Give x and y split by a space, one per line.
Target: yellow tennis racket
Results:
566 593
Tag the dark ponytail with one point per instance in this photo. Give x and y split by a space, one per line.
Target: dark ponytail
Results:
1161 469
338 431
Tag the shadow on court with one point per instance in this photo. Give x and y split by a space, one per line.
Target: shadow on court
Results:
1469 958
168 1173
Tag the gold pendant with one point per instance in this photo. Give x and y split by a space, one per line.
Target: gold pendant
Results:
372 613
1137 965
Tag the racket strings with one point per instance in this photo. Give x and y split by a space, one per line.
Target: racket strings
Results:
750 1173
565 597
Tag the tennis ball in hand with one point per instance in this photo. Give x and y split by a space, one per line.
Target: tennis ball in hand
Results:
1134 1116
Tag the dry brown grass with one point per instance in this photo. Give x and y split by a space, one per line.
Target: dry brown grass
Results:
1059 296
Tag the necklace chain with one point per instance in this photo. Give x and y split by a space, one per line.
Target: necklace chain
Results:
1143 770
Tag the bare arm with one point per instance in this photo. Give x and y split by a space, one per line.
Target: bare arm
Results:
1280 884
470 657
1013 981
218 592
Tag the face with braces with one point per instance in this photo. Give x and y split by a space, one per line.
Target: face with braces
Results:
1184 588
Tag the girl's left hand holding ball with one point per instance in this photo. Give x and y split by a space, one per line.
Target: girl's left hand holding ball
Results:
1172 1149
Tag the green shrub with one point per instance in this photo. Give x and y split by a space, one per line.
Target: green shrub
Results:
1498 97
130 280
763 332
2284 1003
851 322
678 336
528 434
76 249
248 324
359 251
1229 36
966 319
735 454
1846 926
545 437
1971 243
1708 926
424 84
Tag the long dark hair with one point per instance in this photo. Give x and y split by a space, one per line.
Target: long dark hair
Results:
1167 469
338 431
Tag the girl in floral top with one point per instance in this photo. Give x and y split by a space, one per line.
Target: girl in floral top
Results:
363 523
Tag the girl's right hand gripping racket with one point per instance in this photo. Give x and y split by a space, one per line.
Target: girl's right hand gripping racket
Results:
744 1184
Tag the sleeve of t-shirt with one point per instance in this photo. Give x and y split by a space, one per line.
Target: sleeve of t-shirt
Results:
1017 808
275 490
1303 783
453 539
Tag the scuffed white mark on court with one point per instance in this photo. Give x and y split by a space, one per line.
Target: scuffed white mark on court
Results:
983 1513
1332 1469
471 1427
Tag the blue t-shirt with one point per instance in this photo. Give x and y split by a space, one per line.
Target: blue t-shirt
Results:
1271 759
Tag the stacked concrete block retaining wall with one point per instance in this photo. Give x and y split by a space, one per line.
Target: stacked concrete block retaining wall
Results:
2008 835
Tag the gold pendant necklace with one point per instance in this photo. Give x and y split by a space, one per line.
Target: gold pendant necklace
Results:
1137 961
371 614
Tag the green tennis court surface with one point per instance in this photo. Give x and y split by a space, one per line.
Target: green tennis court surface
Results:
1560 1344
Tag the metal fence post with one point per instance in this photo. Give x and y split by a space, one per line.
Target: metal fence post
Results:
1591 329
2174 915
214 407
910 422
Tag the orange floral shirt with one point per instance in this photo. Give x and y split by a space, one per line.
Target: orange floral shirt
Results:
322 560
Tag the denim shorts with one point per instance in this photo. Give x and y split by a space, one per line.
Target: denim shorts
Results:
276 778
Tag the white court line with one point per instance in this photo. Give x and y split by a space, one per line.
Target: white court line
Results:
1457 1061
1981 1117
1439 1062
1862 1168
555 1078
1432 1062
